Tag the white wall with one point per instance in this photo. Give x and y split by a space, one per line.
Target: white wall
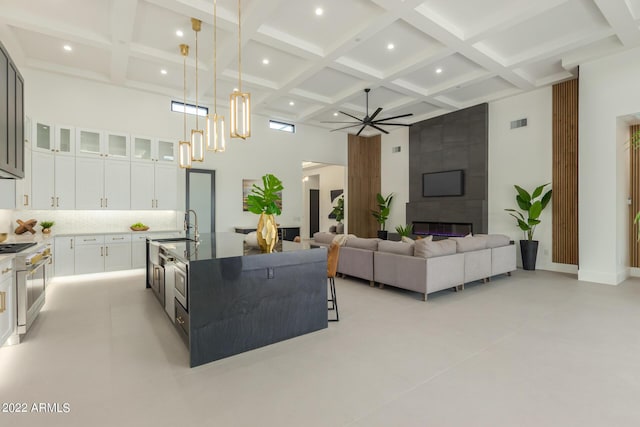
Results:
325 179
608 89
395 174
521 156
5 221
61 99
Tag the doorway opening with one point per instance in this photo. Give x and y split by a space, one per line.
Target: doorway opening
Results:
201 198
323 184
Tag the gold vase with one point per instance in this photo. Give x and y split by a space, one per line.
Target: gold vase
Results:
267 233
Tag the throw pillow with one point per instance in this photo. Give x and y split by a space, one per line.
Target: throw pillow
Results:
429 249
340 239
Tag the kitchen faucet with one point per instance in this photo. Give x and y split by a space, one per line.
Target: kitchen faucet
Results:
187 225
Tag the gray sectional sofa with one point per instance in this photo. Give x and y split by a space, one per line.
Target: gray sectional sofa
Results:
424 266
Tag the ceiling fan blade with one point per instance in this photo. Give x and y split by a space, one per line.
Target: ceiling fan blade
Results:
380 129
373 116
353 117
391 124
346 127
361 129
355 123
395 117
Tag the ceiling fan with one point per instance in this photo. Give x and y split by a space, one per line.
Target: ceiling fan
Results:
370 120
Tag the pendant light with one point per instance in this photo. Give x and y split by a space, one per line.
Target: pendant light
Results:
197 134
184 147
240 114
215 123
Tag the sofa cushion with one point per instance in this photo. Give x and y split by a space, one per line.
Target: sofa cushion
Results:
429 249
323 237
399 248
496 240
470 243
361 243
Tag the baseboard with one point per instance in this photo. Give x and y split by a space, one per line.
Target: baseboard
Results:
634 272
560 268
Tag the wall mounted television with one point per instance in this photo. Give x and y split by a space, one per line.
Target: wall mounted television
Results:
443 184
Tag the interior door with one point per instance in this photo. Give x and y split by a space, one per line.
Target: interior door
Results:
200 198
314 212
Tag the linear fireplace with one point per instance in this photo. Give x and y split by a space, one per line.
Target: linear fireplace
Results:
445 229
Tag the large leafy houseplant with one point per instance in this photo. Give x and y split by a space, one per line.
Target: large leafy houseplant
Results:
532 204
265 201
338 209
382 214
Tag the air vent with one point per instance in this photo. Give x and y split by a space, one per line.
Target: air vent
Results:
396 149
518 123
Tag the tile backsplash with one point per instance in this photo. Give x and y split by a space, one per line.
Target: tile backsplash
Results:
93 221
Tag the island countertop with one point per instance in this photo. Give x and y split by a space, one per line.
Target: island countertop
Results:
221 245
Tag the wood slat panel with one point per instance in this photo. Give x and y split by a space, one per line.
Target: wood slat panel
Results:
565 173
364 184
634 175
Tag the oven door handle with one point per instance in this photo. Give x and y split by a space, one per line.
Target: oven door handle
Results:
36 266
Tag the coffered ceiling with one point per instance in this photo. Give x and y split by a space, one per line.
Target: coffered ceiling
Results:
446 55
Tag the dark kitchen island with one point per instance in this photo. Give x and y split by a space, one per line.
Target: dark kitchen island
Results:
238 299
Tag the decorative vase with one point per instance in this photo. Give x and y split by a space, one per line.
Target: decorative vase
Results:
340 228
46 230
382 234
267 233
529 253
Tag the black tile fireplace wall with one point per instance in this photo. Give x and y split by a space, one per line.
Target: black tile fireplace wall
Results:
457 140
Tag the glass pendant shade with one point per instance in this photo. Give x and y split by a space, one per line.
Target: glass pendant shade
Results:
216 140
240 115
197 145
184 154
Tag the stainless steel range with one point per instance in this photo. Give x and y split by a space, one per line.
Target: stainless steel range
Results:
30 266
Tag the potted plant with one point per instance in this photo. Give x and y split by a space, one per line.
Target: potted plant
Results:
338 211
46 226
404 230
382 214
265 201
532 204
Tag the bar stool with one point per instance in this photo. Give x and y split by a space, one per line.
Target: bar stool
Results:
332 267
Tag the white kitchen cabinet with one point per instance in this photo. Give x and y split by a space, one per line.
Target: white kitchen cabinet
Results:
117 252
65 140
102 183
149 149
138 250
64 256
89 254
43 136
23 186
153 186
53 181
7 193
7 301
97 143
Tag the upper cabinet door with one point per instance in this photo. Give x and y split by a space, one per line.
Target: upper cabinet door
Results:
65 140
142 148
116 145
89 142
166 151
42 136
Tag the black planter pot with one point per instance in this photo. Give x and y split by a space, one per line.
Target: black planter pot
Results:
382 234
529 252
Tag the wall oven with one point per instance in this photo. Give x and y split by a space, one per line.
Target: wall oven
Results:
181 283
30 285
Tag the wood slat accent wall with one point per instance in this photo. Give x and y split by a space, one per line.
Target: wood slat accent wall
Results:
364 184
565 173
634 155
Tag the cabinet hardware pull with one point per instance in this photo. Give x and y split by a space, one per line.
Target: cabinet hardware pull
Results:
106 203
3 302
70 243
57 202
118 238
180 320
107 251
101 251
52 202
101 203
26 200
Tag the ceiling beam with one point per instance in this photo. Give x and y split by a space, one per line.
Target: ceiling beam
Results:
122 17
619 16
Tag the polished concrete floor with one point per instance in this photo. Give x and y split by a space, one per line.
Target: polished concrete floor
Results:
534 349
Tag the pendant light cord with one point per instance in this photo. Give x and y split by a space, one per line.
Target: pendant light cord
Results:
215 58
239 50
184 86
197 112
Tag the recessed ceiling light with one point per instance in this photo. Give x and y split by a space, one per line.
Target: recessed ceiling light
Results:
292 103
163 72
265 61
438 70
335 114
67 47
319 11
179 33
391 46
